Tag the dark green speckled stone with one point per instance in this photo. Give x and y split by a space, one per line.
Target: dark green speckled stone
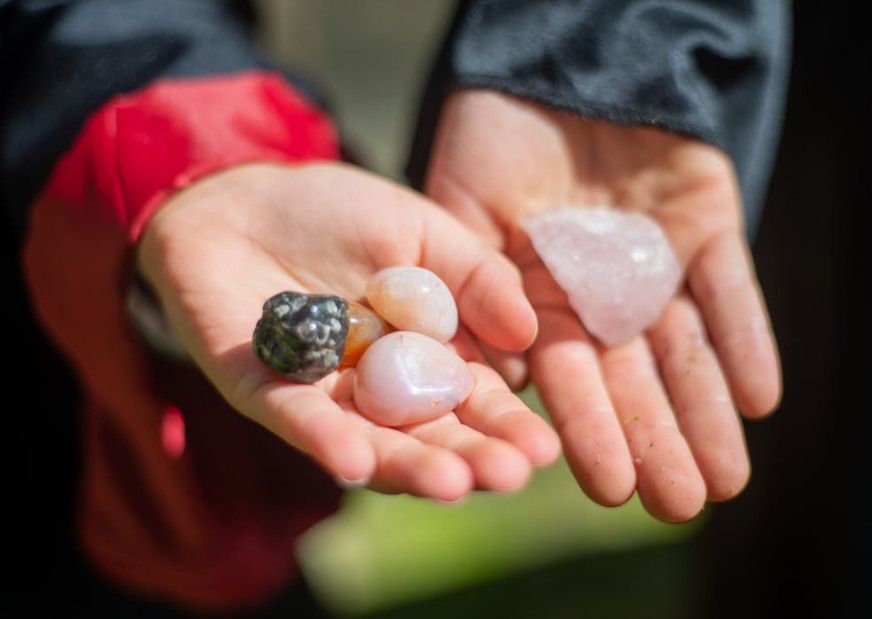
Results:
302 336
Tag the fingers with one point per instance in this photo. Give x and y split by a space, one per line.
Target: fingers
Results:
496 412
492 442
408 465
486 285
308 419
701 399
670 485
504 322
617 424
724 286
442 459
494 464
565 368
511 366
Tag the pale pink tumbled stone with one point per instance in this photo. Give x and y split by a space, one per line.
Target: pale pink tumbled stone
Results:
616 267
414 299
406 377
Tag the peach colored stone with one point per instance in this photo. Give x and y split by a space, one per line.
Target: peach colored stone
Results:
414 299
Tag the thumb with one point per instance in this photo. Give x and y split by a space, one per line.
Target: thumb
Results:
487 286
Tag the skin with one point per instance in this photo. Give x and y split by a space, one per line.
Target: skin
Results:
659 416
215 251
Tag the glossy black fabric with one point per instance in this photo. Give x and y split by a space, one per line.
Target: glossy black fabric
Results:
62 59
716 70
713 69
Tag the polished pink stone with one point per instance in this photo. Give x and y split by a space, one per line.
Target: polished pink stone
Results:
616 267
406 377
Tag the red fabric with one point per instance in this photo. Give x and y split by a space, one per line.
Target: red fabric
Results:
140 148
212 526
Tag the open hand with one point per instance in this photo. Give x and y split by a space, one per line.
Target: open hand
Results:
659 414
217 250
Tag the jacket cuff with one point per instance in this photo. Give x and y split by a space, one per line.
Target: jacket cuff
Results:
140 148
132 155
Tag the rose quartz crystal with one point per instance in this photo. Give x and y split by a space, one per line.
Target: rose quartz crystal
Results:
406 377
617 268
414 299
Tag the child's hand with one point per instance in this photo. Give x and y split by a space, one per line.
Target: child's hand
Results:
215 252
659 414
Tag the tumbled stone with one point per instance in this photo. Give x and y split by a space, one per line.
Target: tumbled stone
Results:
364 328
414 299
407 377
302 336
307 336
616 267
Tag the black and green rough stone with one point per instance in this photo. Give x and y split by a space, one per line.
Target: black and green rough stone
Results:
302 336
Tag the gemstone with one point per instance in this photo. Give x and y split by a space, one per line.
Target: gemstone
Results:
364 328
407 377
414 299
302 336
617 267
306 336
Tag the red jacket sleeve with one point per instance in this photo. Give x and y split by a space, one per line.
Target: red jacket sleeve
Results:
213 526
139 148
132 154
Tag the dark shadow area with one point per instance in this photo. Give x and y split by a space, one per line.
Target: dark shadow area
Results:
797 542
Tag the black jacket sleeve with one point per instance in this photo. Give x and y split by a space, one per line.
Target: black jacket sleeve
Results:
61 60
716 70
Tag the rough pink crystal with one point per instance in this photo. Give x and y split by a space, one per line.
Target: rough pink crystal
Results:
617 268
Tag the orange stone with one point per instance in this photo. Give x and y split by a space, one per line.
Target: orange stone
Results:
364 328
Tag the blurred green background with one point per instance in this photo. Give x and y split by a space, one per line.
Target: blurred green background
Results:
369 58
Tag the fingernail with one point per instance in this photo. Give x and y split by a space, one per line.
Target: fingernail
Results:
457 501
350 484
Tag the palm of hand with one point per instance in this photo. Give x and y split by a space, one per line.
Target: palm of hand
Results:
216 251
657 415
